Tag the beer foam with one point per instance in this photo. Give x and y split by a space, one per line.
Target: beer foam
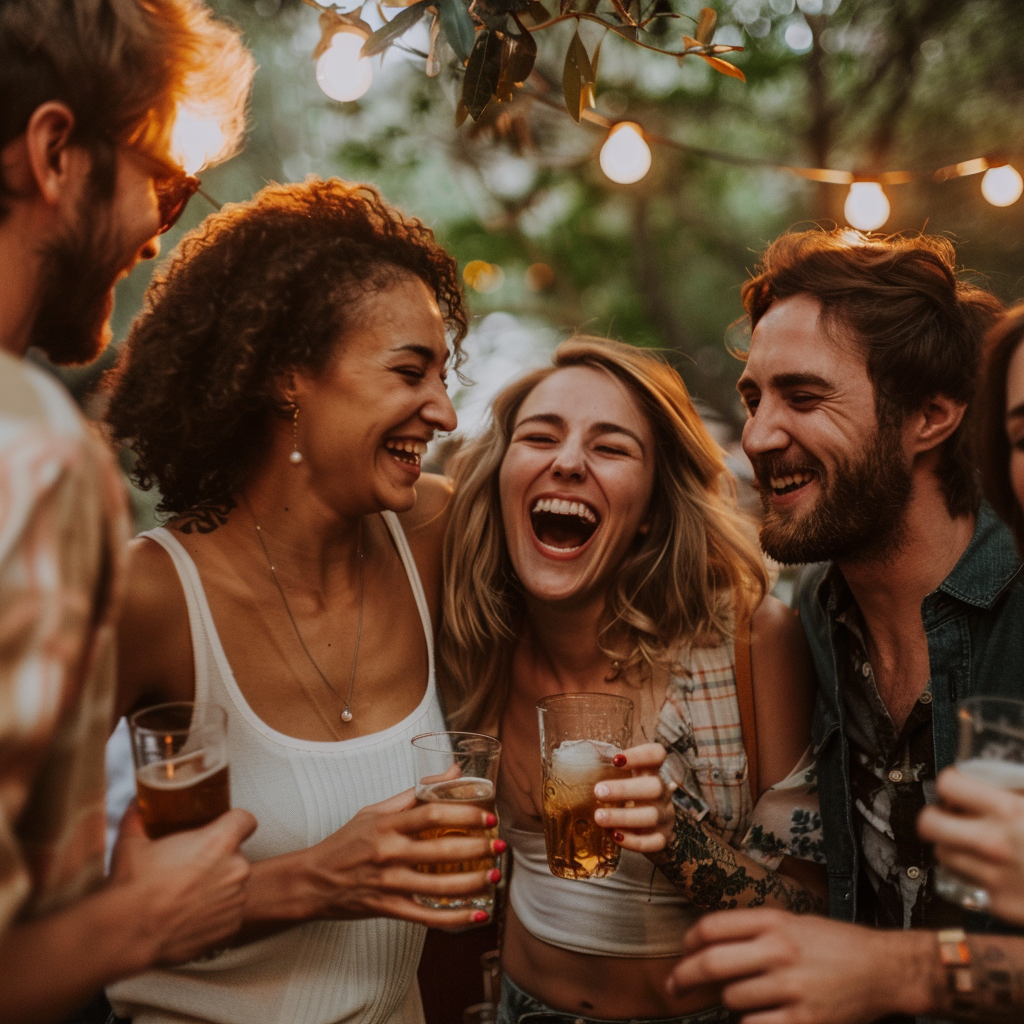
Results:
1004 774
576 760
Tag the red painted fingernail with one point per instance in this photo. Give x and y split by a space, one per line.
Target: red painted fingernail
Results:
499 846
480 916
494 875
618 837
619 760
491 820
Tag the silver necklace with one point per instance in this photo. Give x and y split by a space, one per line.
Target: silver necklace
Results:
346 715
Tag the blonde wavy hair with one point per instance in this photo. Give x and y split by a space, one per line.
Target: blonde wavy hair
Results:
680 586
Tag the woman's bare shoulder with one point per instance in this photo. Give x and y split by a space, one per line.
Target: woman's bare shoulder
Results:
154 640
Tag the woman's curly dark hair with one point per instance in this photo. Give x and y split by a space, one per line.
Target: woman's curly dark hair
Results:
259 289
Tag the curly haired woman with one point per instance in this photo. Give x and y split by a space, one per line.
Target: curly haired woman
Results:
594 547
280 389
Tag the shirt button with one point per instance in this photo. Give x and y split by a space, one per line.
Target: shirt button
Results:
897 776
926 697
913 872
865 669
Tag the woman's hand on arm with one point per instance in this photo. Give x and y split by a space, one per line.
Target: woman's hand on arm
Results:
978 832
367 869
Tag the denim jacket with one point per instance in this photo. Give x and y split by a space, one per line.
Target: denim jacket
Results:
974 622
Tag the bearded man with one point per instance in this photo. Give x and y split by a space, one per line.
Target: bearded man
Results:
89 95
862 366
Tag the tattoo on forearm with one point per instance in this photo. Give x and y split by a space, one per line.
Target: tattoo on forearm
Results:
712 875
205 518
997 980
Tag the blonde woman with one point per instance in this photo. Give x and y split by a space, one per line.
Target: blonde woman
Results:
594 546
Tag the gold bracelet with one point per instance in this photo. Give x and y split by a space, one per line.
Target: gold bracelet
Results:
955 957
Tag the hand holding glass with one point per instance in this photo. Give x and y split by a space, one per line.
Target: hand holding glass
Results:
458 767
992 750
181 766
580 736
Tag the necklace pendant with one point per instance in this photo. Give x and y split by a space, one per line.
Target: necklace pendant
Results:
346 715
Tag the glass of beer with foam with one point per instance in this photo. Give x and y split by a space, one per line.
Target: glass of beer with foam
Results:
991 748
181 765
580 734
460 767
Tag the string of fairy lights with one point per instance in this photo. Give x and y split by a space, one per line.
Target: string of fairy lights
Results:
625 156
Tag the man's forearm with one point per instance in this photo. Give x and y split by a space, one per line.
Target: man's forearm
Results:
51 967
716 877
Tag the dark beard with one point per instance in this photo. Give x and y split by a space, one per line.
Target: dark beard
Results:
79 272
859 515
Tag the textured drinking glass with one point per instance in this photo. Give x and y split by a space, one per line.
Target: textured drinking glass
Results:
991 749
460 767
580 734
181 765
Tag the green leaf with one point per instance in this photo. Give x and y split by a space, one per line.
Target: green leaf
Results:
577 77
458 27
706 25
482 72
397 26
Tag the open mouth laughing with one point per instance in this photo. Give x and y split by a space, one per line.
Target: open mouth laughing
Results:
406 450
561 525
788 483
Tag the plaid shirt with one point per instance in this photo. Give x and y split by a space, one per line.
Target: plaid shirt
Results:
699 726
63 526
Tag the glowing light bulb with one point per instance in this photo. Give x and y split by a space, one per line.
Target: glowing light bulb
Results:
866 206
1002 186
341 72
625 156
196 140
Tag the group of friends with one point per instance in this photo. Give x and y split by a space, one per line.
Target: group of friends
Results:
280 389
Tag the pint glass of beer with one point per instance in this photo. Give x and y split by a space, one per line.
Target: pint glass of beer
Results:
991 749
181 765
460 767
580 734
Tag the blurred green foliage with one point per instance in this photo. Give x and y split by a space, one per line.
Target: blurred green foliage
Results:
884 84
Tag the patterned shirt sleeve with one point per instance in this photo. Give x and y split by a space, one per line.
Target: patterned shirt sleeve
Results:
56 658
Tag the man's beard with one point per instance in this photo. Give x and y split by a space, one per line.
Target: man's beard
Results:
860 513
79 272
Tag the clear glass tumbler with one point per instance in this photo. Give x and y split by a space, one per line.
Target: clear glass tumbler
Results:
991 748
580 734
460 767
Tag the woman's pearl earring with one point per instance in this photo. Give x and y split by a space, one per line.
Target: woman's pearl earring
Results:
296 456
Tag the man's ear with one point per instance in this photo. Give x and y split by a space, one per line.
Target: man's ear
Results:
52 164
935 422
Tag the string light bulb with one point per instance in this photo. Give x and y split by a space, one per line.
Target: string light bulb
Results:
867 207
1002 186
341 72
625 156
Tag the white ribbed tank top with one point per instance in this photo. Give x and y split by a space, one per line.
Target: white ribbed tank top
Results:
320 972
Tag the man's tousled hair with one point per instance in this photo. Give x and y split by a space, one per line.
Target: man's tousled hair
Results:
901 300
124 68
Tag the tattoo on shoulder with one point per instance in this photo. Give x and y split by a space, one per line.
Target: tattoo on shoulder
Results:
205 518
711 873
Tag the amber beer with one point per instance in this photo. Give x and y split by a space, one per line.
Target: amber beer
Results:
457 768
576 846
181 765
174 797
479 792
580 734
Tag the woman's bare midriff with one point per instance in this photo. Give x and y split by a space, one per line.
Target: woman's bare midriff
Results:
595 986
